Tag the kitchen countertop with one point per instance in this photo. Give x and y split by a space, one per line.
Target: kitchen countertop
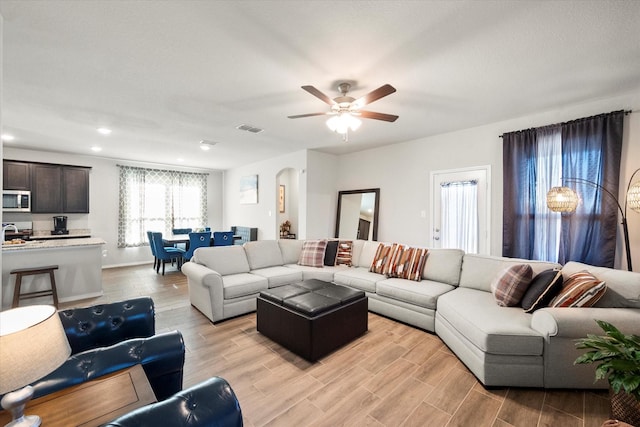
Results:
53 244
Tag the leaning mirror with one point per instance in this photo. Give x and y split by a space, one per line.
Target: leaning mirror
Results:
357 216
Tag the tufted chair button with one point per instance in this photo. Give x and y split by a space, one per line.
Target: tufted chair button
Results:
116 321
83 326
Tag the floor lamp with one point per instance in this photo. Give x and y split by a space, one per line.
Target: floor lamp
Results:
565 199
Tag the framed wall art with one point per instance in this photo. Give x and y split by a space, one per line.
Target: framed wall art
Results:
281 199
249 190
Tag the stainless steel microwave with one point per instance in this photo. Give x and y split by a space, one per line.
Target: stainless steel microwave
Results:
16 201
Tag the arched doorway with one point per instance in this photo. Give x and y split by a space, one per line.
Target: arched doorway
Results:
287 201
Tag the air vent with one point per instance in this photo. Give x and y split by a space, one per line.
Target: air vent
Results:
249 128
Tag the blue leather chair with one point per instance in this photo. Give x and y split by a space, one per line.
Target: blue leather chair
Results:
209 403
166 254
106 338
197 240
222 238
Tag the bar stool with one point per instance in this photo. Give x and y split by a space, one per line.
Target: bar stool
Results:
17 292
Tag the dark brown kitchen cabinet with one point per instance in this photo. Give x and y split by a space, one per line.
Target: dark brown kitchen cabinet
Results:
59 189
16 175
75 190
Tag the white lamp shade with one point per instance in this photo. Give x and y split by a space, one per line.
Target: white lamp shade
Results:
633 197
343 122
32 345
562 199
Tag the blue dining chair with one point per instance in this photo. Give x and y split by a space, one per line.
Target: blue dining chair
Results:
153 249
222 238
166 254
197 240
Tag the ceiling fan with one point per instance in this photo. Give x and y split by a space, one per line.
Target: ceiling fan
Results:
345 109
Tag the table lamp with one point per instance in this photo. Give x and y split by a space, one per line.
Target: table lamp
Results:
32 345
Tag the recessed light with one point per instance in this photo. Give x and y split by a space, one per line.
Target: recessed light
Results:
96 149
104 131
7 138
205 145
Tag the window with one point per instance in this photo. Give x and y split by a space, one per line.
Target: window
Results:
582 151
459 216
159 200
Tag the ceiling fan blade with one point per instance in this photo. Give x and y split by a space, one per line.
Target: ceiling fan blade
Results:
315 92
299 116
381 92
378 116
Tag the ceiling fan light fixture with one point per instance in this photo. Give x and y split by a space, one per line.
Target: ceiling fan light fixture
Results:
343 122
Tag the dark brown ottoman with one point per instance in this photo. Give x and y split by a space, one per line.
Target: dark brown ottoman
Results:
312 318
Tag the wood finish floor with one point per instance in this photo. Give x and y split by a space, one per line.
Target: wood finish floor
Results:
394 375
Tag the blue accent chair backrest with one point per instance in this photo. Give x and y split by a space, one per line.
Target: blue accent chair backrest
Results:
197 240
222 238
182 230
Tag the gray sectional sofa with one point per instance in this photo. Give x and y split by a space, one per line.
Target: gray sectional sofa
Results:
502 346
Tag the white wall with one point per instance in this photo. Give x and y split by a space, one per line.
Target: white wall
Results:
322 195
103 198
402 170
264 214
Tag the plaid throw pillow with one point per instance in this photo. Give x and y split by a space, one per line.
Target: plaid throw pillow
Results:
581 289
312 253
511 283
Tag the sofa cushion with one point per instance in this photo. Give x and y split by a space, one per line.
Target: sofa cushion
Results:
509 286
331 252
623 287
364 251
344 256
581 289
243 284
489 327
479 270
223 259
279 275
359 278
325 273
444 265
263 253
312 253
424 294
290 250
542 289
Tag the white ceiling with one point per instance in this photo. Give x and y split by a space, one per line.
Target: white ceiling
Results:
167 74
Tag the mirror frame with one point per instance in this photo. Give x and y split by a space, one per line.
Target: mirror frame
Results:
375 211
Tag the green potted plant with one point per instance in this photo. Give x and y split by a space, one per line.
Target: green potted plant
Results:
618 359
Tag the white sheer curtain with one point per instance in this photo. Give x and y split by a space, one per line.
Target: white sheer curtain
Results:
459 215
548 175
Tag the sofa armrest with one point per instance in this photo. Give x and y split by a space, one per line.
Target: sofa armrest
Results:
202 275
209 403
578 322
161 356
107 324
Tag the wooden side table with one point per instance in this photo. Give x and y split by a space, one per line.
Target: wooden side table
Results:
92 403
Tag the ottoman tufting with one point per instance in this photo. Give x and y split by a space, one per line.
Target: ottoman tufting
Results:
312 318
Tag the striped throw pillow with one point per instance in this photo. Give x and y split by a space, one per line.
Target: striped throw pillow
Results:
382 259
511 283
414 265
345 253
581 289
312 253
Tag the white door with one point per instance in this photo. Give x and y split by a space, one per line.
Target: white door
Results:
482 176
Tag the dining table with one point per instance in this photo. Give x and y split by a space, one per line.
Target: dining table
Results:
173 239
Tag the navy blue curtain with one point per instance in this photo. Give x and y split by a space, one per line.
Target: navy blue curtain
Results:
519 193
591 150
